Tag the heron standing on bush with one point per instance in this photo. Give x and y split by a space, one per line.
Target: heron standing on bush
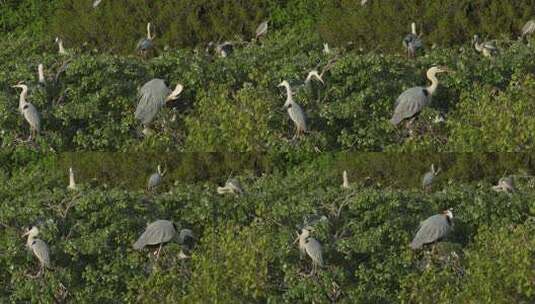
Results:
412 42
433 229
310 246
294 111
160 232
146 44
262 29
411 102
72 183
155 179
429 176
29 111
152 97
39 249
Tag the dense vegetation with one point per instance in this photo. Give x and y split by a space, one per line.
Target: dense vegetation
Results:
244 251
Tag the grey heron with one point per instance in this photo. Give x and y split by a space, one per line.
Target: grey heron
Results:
529 28
155 179
39 249
29 111
487 48
231 186
412 101
345 181
146 44
429 176
505 184
61 49
160 232
311 247
262 29
412 42
294 111
433 229
153 95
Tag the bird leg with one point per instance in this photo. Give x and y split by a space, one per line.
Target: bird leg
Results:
158 252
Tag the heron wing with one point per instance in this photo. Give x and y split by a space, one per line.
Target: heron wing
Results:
156 233
529 28
432 229
262 28
144 44
40 249
152 97
427 179
154 180
32 116
409 103
298 116
313 249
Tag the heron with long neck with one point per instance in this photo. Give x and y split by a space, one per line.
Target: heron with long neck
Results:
294 110
29 111
145 44
61 51
411 102
72 183
39 249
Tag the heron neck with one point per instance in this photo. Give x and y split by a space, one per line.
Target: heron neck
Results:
434 83
72 183
23 95
149 36
41 74
61 48
289 95
30 240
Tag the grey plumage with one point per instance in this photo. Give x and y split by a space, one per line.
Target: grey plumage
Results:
156 233
295 111
39 248
411 102
28 111
433 229
529 28
155 179
412 42
152 97
146 44
310 246
262 29
429 176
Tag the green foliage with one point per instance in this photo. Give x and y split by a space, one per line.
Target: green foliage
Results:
380 25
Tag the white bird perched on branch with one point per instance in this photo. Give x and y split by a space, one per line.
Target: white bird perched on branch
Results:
39 249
